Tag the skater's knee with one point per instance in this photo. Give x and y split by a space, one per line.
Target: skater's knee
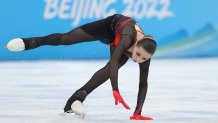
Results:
107 67
66 39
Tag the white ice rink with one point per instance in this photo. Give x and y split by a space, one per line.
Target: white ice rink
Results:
180 91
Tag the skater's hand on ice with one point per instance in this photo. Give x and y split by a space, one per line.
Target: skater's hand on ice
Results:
119 99
139 117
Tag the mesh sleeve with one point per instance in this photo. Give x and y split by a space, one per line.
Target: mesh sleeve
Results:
124 44
143 85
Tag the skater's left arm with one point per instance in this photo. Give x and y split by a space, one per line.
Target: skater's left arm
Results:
143 85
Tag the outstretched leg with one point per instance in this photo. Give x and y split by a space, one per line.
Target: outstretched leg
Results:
96 30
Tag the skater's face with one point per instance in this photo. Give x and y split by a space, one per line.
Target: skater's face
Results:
140 55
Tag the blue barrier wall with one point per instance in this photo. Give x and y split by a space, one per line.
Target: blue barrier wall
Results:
183 28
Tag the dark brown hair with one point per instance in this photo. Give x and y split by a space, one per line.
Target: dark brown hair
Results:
148 43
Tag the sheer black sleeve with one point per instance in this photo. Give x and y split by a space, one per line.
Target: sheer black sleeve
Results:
124 44
143 85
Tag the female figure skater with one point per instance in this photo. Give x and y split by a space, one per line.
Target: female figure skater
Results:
126 39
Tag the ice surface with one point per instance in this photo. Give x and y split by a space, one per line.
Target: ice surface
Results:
180 91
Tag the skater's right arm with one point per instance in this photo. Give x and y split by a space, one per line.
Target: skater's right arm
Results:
123 45
126 41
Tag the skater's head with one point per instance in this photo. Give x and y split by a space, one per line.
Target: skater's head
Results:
144 49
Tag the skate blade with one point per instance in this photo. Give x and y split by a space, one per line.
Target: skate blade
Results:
79 115
72 115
